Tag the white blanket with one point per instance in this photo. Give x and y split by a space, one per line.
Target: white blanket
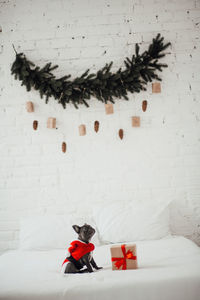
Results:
169 269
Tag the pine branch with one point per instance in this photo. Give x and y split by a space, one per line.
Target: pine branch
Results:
104 85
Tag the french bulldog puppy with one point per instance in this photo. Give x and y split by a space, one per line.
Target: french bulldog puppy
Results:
82 245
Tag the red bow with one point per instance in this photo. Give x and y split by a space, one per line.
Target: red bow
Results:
121 261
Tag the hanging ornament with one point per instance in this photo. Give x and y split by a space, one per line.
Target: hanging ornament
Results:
121 133
35 125
29 106
51 123
144 105
64 147
82 130
135 121
109 108
156 87
96 126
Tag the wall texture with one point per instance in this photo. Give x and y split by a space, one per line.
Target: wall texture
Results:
160 161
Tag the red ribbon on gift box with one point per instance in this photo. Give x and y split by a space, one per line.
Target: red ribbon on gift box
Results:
121 261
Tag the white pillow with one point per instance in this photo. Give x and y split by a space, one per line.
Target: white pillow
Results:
119 223
50 232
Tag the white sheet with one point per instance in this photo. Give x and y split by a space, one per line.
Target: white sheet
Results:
169 269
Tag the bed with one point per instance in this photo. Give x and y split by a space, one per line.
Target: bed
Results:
169 268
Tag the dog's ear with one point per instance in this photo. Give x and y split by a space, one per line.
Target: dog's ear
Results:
76 228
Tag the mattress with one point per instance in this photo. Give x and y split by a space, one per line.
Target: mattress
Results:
168 269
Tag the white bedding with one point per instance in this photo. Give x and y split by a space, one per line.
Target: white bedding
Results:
169 269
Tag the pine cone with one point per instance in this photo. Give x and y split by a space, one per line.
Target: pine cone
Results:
35 125
64 147
144 105
121 133
96 126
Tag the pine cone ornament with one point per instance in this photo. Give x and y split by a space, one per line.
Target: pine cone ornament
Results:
144 105
96 126
64 147
35 125
121 133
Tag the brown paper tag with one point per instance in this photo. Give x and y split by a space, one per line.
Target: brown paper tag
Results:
51 123
156 87
135 121
82 130
109 108
29 106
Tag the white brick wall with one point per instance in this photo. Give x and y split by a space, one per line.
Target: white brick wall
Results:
159 161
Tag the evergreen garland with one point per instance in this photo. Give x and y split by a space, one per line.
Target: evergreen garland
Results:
104 85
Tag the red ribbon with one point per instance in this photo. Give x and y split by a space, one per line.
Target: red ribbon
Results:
121 261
